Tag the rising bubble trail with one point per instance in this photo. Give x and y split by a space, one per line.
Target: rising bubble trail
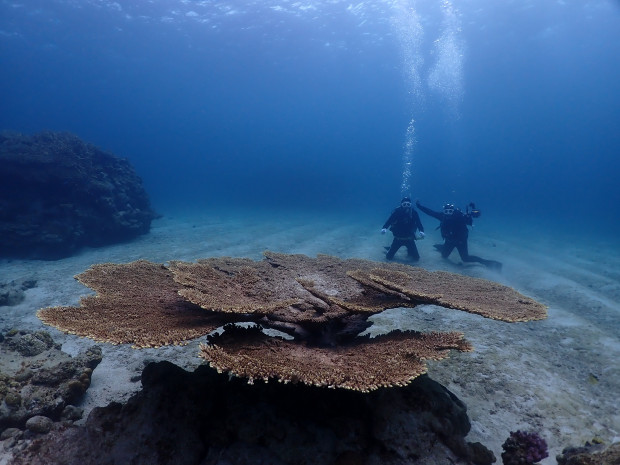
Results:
408 152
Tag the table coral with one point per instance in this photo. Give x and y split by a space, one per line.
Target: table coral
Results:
321 304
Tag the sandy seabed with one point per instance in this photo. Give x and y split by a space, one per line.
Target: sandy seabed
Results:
559 377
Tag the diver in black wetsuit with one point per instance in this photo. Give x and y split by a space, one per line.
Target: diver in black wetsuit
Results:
455 232
403 222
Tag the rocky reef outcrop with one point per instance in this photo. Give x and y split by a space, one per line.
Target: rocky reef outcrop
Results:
208 418
59 193
39 384
13 292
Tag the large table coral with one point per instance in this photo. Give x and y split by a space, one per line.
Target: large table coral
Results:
321 305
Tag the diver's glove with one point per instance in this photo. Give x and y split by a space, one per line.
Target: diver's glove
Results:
383 230
421 235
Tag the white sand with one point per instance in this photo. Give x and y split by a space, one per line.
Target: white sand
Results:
559 377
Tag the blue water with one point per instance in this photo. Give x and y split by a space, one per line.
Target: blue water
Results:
333 105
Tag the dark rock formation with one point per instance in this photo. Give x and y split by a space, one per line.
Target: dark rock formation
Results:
206 418
12 293
37 379
58 193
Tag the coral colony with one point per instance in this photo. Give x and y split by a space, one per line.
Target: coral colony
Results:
71 195
321 305
523 448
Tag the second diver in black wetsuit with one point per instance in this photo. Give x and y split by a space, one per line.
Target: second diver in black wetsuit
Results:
403 222
453 225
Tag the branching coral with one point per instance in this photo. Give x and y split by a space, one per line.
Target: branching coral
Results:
322 303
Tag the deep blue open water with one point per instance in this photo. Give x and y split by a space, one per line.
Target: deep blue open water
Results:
297 126
335 105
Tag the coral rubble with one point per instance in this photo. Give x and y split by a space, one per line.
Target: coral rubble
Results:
37 379
594 453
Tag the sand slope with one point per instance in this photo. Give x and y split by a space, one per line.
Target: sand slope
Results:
559 377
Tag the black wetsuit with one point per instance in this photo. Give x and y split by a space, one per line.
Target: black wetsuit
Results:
455 232
403 222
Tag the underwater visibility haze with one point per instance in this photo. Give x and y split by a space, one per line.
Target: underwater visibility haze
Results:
334 105
296 127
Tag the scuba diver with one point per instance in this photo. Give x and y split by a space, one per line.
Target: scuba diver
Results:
453 225
403 222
